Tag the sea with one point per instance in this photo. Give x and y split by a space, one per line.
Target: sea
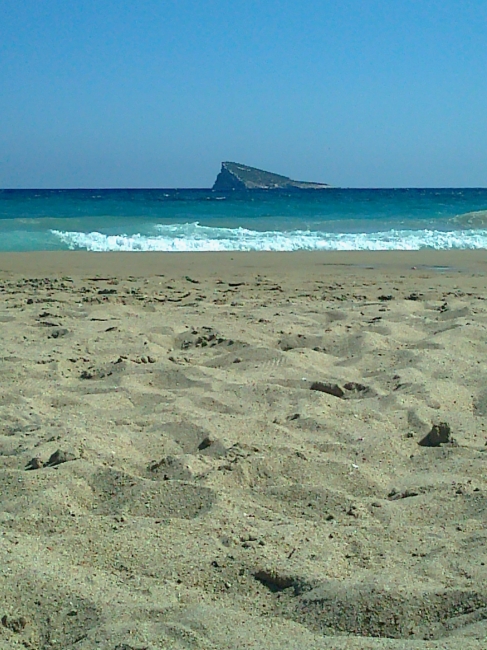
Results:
273 220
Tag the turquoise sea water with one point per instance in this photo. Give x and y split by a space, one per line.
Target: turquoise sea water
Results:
201 220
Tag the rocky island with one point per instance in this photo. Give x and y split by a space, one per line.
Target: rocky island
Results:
235 176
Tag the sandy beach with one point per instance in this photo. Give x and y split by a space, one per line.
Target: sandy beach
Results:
243 450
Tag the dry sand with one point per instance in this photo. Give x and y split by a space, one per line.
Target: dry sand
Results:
222 451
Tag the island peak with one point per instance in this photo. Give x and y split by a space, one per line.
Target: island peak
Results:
235 176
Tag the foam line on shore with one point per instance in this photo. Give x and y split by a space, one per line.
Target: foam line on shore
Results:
192 237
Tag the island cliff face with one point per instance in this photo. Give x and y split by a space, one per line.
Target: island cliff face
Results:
235 176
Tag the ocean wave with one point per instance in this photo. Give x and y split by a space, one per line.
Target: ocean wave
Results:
195 238
475 219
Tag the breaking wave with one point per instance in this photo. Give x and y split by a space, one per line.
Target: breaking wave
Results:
475 219
192 237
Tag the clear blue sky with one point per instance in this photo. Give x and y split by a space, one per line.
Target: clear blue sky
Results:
156 93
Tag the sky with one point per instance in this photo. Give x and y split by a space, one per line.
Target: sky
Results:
157 93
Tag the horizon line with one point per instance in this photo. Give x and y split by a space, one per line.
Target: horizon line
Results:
276 190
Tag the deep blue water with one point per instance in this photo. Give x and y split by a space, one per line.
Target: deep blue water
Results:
196 220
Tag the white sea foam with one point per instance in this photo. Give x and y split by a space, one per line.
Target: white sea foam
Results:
194 238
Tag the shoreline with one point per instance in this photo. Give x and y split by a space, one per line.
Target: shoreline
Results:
146 264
